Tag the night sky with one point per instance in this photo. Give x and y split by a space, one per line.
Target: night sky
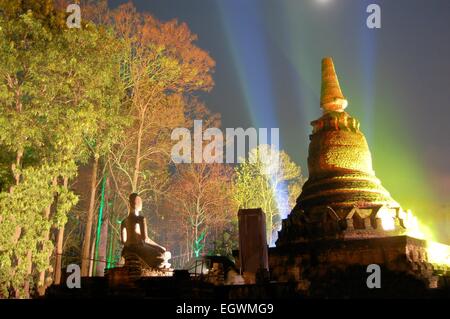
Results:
396 78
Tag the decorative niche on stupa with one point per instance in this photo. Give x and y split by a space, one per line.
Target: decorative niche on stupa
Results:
342 197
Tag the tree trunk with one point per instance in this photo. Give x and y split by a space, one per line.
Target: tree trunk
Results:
41 283
59 247
29 263
103 241
88 231
111 249
101 262
15 165
59 251
91 261
137 163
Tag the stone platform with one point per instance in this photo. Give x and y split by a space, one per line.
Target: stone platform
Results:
319 269
323 266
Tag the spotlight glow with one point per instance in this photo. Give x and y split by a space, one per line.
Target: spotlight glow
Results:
323 1
438 254
387 220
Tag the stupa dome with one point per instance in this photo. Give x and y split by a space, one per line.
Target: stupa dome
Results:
340 167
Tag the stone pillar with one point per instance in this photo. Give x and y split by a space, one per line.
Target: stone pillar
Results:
253 255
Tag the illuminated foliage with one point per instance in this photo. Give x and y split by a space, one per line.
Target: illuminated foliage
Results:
161 69
202 203
43 10
268 179
53 108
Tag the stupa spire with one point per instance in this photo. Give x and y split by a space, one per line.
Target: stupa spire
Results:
331 97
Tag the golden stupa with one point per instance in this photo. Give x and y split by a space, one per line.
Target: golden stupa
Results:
339 159
342 197
344 219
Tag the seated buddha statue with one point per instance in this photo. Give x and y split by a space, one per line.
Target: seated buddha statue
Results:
136 241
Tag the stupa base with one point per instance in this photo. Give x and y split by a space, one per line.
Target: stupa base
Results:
320 264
